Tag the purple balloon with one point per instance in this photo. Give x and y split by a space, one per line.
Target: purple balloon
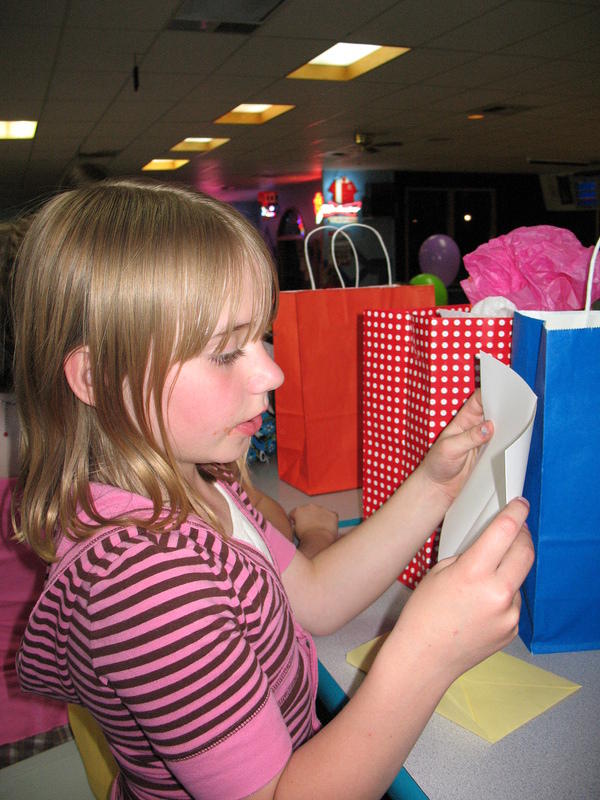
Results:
439 255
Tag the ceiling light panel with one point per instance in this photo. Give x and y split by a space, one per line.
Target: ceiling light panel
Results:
343 54
252 114
346 61
165 164
17 129
198 144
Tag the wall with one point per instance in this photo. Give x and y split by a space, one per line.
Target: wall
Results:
297 195
517 201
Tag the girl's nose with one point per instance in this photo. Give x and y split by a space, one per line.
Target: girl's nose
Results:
265 375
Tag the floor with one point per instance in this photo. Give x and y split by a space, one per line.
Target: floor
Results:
55 774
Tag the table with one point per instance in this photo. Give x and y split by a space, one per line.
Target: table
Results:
555 756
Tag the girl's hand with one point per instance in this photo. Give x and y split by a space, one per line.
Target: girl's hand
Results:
467 607
316 527
450 460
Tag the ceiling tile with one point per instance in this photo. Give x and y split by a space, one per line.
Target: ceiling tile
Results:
285 55
183 51
155 89
73 110
103 86
513 21
418 65
80 49
410 24
34 13
476 52
567 39
117 15
333 19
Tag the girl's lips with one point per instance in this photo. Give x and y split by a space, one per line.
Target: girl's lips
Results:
251 426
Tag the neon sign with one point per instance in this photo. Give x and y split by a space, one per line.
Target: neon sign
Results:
269 204
342 207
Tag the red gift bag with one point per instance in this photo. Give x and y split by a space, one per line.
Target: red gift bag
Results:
317 409
418 370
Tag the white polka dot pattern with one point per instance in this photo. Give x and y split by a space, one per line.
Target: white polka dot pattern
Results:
418 370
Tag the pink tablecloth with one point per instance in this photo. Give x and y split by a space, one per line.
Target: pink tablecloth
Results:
21 578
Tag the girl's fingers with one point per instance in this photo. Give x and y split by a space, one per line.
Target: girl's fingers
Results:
470 413
518 560
492 551
460 444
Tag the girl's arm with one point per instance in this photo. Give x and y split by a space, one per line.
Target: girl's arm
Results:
344 579
315 527
465 609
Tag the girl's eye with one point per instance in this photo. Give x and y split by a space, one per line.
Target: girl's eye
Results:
226 359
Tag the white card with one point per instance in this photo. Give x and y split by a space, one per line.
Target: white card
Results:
499 474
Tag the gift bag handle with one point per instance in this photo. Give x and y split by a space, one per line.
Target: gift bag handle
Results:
590 280
343 229
307 257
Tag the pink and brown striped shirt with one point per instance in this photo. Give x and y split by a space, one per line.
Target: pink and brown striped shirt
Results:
185 649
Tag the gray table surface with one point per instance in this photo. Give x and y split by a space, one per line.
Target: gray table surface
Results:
555 756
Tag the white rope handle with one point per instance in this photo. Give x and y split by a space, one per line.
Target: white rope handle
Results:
307 257
590 280
381 242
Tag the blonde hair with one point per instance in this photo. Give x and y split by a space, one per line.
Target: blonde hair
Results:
139 275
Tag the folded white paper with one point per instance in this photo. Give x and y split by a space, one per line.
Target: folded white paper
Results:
499 474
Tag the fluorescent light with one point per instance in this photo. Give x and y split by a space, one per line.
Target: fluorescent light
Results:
198 144
17 129
345 61
251 108
343 54
163 164
252 114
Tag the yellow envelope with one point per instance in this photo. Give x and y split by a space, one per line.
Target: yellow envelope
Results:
493 698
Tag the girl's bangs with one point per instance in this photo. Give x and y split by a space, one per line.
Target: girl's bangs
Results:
218 282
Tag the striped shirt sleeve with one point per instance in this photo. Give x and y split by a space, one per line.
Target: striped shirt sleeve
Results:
172 640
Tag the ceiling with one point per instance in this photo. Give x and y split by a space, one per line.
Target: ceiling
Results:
69 64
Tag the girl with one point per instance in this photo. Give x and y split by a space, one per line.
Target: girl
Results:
173 610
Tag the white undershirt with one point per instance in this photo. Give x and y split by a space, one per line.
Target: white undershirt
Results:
242 527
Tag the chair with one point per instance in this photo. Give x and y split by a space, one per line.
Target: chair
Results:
99 763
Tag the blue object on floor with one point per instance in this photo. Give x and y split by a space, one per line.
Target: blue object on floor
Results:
264 443
349 523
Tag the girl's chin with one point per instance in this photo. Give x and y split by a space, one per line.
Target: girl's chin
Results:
235 450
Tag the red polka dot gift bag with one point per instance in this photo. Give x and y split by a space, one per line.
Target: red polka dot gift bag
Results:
418 370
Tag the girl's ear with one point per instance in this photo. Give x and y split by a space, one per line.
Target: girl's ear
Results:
79 375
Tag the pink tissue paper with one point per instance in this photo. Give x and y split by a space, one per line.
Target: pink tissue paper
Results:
540 267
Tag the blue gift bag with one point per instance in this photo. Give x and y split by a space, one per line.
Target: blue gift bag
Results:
558 354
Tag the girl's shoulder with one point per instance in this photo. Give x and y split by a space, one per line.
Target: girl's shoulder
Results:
135 549
135 543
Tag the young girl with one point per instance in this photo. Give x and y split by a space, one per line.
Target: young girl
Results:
173 611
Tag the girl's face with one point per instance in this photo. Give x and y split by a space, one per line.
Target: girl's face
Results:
213 403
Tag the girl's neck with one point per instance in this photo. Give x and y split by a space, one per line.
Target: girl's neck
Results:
210 496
